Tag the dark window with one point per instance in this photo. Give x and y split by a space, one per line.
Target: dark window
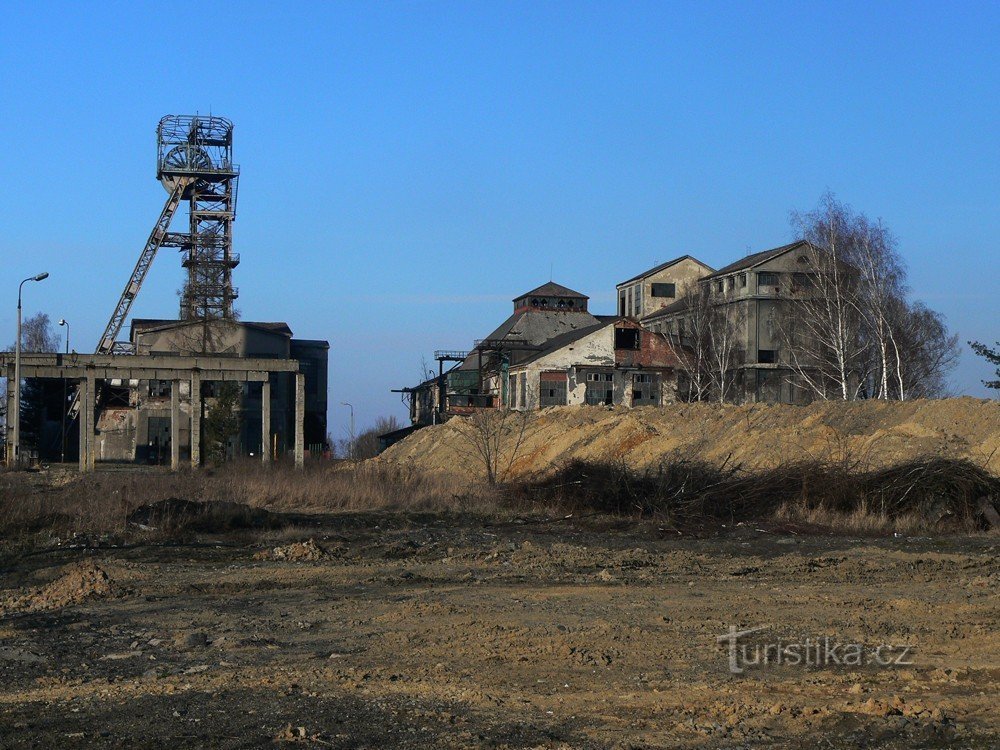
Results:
553 393
719 286
159 388
646 389
765 278
802 280
664 290
766 356
626 338
743 280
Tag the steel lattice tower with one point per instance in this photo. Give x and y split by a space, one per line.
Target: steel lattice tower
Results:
195 154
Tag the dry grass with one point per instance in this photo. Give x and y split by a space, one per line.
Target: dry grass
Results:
919 496
102 502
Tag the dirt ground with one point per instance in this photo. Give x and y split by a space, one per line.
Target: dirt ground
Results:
752 436
434 630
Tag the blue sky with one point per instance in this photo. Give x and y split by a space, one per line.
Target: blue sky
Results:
408 168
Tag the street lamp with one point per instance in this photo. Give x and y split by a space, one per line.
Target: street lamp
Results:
62 445
344 403
15 455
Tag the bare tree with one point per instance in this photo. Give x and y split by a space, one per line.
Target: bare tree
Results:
821 337
853 333
492 439
691 342
726 323
925 352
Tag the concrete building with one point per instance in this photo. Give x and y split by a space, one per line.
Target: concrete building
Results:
658 287
754 291
613 362
551 351
135 420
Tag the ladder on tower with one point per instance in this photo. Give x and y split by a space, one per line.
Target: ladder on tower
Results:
106 345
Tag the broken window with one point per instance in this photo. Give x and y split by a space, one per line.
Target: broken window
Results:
742 280
600 389
766 356
645 389
159 389
766 278
802 280
552 388
664 290
626 338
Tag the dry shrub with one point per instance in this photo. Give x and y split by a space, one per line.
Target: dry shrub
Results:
918 494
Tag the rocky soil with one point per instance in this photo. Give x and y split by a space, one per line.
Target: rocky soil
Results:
420 631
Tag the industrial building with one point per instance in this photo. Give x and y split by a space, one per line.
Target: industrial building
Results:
145 399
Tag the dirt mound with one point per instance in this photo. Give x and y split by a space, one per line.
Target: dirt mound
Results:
868 434
306 551
79 582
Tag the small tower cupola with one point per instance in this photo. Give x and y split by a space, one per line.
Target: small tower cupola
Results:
551 297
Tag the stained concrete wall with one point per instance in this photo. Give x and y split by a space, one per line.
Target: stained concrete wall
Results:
638 295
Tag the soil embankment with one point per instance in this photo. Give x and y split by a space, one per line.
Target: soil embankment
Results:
754 436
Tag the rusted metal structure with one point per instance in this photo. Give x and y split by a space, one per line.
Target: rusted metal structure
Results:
195 157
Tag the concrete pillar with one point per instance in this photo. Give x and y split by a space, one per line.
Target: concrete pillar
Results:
195 420
175 425
265 421
91 425
13 413
84 397
300 420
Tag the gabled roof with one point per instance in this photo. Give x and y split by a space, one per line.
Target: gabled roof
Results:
663 266
551 289
756 259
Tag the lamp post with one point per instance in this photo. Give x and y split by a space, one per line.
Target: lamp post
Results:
62 445
351 445
14 455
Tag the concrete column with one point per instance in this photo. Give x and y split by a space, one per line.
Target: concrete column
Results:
88 417
13 413
84 397
175 425
265 421
195 420
300 420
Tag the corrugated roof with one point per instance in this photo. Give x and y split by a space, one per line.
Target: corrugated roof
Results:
552 289
757 258
662 266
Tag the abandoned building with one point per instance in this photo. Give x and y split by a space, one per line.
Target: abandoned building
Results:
754 293
658 287
147 399
551 351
